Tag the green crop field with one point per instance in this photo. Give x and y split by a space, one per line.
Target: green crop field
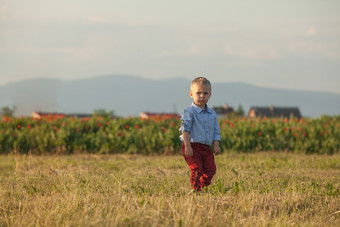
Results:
249 189
158 135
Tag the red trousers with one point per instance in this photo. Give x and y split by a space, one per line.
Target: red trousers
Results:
201 164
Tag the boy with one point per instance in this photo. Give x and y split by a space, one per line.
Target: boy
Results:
199 130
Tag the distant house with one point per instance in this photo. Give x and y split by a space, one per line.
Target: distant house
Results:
222 110
274 112
79 115
39 115
146 115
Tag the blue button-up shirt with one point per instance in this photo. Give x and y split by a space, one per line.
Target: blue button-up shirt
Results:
201 124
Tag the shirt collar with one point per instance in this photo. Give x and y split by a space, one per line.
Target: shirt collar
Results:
199 109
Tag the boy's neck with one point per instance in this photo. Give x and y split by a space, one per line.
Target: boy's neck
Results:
203 108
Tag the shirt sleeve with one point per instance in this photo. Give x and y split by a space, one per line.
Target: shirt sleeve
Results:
217 133
186 119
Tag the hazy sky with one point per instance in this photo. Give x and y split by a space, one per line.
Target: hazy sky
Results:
282 44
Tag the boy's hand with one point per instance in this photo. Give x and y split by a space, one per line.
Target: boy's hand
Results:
217 147
217 150
188 151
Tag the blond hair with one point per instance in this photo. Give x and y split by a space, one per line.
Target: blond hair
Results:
201 81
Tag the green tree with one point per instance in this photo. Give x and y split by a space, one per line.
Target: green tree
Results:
103 113
8 111
240 111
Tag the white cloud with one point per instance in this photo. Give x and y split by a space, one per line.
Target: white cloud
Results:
251 51
228 49
82 53
260 53
3 9
311 31
194 49
305 47
332 55
98 19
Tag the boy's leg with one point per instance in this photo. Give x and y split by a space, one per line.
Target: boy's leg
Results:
208 167
195 165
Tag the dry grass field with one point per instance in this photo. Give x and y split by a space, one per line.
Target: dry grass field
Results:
258 189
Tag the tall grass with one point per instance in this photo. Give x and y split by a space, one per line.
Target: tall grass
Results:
258 189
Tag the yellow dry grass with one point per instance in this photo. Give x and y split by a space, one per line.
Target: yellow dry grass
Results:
260 189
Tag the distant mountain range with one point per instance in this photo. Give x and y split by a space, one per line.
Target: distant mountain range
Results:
131 95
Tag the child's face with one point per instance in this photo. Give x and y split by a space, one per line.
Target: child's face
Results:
200 94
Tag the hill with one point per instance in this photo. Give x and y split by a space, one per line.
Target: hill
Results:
130 95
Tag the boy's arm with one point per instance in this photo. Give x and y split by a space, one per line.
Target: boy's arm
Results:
217 138
187 144
217 147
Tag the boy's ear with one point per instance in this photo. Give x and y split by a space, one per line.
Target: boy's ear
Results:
190 93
